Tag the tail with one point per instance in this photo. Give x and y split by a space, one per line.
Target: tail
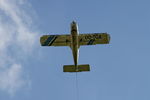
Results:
78 68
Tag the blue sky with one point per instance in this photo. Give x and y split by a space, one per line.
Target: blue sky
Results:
119 71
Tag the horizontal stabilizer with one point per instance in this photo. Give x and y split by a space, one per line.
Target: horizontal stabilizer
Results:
79 68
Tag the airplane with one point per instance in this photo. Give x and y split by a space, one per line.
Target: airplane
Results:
74 40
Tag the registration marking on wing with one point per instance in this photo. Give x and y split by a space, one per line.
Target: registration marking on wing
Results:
92 36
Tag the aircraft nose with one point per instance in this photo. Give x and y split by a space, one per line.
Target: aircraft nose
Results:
73 22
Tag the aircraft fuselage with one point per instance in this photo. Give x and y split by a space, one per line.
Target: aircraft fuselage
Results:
74 40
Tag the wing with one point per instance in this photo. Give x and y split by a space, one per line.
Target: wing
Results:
55 40
94 38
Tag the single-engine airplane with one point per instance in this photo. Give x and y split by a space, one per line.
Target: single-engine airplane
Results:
74 41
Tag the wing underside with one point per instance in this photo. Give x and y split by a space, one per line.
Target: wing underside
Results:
84 39
55 40
94 38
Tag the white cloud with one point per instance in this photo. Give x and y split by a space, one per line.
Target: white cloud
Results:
17 38
11 79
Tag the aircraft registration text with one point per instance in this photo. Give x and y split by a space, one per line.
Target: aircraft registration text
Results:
93 37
